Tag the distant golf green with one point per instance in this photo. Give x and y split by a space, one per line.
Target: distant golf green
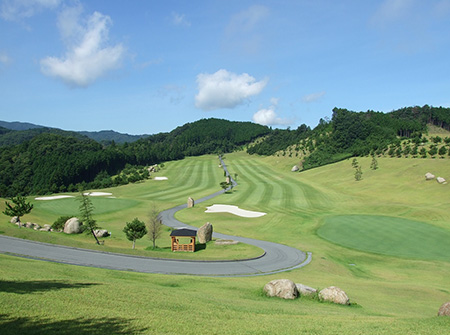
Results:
388 236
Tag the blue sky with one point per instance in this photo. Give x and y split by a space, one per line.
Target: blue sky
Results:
147 66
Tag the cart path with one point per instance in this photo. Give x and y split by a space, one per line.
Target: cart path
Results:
276 257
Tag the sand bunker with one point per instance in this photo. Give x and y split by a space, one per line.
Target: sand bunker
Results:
161 178
55 197
233 210
97 194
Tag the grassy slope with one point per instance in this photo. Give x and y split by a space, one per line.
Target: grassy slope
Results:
394 295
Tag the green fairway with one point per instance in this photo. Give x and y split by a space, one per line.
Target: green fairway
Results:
70 206
393 295
388 236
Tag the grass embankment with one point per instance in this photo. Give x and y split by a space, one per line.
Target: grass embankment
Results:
393 294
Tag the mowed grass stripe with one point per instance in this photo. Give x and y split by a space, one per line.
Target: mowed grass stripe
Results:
246 186
388 236
262 189
193 182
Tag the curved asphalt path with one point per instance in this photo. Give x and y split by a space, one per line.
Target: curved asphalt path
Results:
276 257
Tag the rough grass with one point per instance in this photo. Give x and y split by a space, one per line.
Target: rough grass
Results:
394 295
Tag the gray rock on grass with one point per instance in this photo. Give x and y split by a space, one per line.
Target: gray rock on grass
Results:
101 233
190 202
305 290
295 168
335 295
204 233
429 176
282 288
445 309
72 226
441 180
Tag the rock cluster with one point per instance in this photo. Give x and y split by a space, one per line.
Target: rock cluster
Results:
204 233
153 168
444 310
287 289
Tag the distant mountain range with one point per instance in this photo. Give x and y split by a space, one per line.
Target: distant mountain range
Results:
99 136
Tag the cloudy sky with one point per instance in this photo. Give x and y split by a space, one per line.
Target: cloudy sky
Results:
147 66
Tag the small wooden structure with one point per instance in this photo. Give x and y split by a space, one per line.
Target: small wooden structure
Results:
189 233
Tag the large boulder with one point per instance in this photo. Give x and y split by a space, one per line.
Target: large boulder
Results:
444 310
335 295
190 202
429 176
441 180
72 226
305 290
204 233
282 288
295 168
101 233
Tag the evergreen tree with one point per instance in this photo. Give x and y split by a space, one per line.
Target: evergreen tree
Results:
18 208
134 230
86 209
374 163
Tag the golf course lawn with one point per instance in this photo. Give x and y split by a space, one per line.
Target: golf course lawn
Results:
389 236
395 288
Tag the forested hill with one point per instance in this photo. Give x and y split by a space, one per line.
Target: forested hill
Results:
23 131
350 133
51 162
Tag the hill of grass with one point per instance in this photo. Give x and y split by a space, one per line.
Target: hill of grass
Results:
392 294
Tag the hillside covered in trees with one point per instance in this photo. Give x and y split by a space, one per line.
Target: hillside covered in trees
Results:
57 161
45 160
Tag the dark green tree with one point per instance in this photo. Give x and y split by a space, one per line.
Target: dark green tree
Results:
135 230
86 210
19 207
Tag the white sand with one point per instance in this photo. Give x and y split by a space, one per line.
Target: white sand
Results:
55 197
97 194
161 178
233 210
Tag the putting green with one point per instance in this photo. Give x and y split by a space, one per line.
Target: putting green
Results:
388 236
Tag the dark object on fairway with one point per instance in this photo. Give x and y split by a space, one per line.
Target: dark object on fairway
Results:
444 310
184 232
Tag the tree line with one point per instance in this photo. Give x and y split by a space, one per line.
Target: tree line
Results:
51 162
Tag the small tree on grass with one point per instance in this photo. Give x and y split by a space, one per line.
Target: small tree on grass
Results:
18 208
86 209
374 163
358 173
135 230
224 185
155 225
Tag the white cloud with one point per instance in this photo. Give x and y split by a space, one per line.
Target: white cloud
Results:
268 116
4 58
313 97
225 89
15 10
87 57
244 31
391 10
180 20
